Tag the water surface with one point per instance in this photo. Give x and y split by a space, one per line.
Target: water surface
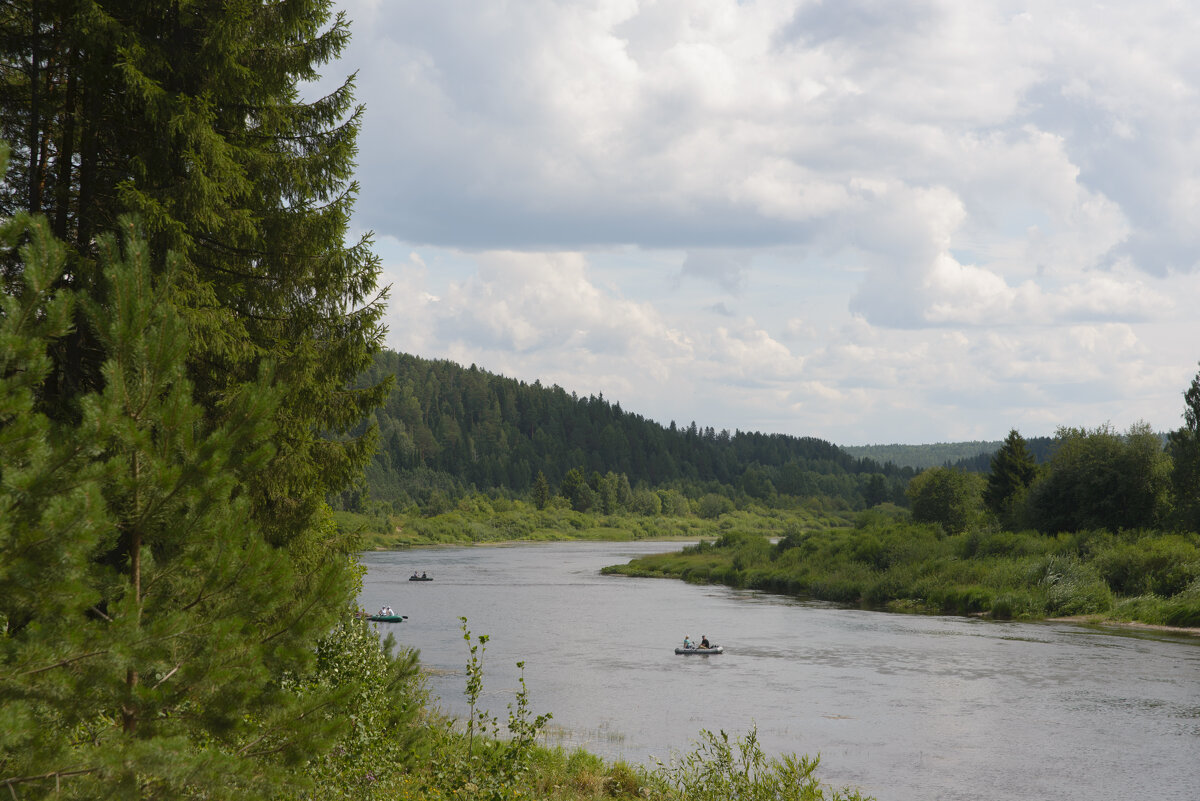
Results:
907 708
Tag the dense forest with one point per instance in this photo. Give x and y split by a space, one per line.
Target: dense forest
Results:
446 430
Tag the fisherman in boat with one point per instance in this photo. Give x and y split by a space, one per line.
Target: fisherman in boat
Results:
423 574
704 641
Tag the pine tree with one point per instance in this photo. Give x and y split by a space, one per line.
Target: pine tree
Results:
1013 470
189 113
155 671
51 517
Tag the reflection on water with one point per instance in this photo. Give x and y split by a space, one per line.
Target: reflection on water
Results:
907 708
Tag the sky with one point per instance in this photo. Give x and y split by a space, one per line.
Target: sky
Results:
869 221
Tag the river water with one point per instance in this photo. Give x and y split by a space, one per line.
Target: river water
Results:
903 707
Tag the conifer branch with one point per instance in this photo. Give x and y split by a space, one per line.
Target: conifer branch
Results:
303 612
55 774
246 750
62 663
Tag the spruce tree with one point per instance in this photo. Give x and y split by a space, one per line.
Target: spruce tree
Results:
541 491
190 114
160 669
1013 470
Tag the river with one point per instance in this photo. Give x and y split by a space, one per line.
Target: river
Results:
903 707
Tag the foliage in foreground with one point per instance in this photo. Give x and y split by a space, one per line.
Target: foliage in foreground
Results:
720 769
1148 576
146 621
383 743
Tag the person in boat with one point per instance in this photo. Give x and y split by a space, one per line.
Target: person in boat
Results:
414 575
687 642
423 574
704 641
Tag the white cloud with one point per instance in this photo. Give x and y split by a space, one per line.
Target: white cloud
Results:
956 217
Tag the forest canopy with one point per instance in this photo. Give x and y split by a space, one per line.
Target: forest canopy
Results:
450 430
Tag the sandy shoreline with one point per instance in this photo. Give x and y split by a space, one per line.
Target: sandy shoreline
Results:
1093 620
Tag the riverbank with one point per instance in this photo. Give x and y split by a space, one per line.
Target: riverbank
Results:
1144 578
515 521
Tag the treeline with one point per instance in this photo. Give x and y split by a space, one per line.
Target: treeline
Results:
974 456
1098 478
446 431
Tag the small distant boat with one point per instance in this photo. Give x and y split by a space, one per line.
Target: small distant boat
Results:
716 649
420 578
387 618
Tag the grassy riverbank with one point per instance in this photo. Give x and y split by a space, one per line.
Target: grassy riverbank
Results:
479 520
719 766
1151 577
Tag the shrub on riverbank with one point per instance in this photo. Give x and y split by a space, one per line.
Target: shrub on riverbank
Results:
891 564
502 520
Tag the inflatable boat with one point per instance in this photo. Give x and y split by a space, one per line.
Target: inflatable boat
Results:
716 649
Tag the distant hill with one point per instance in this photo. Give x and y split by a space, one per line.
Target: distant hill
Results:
450 429
920 457
974 456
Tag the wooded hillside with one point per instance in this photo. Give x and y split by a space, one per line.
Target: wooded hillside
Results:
447 428
974 456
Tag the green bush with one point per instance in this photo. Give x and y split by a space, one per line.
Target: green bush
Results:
1162 565
719 768
384 740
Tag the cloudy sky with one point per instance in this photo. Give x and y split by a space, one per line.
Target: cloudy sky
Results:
869 221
